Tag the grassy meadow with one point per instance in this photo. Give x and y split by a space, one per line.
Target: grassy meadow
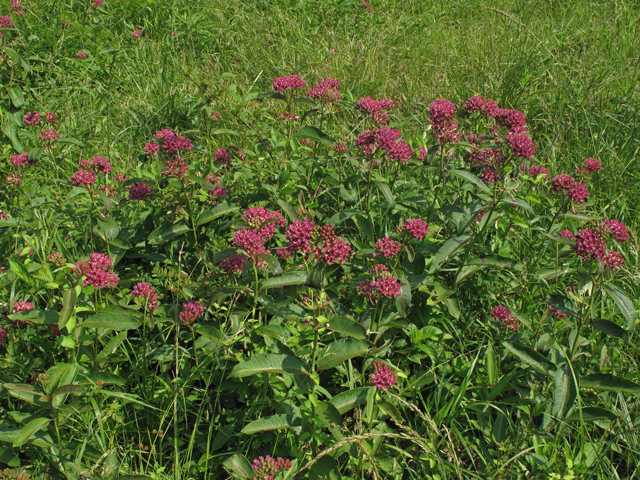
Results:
281 359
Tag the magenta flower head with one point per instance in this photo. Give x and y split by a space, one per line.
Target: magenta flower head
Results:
17 7
49 135
382 377
151 148
593 165
416 227
618 229
51 118
503 315
176 167
6 22
388 286
139 191
221 157
84 178
101 164
556 313
31 118
589 244
97 3
191 311
264 221
147 294
281 84
388 247
335 249
521 144
233 264
299 235
266 468
81 54
97 271
22 306
535 170
20 160
136 33
613 260
441 111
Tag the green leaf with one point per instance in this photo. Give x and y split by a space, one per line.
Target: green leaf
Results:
448 249
606 381
166 232
342 216
559 239
289 210
119 310
272 422
29 430
105 377
624 304
225 131
610 328
340 350
290 278
316 134
40 317
16 57
496 261
470 177
21 271
216 212
386 191
266 363
70 140
491 365
347 327
562 304
564 393
27 393
16 96
211 333
239 465
325 469
66 389
109 227
530 357
272 263
593 414
519 202
364 225
114 321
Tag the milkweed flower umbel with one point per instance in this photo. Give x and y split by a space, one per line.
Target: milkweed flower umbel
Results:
416 227
97 271
136 33
81 54
31 118
388 286
191 311
388 247
503 315
101 164
618 229
383 377
267 467
233 264
83 178
147 294
281 84
139 191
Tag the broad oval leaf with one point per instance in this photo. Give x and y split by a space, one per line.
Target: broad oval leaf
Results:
624 304
29 430
448 249
314 133
216 212
592 414
530 357
562 304
337 352
272 422
564 393
239 465
496 261
470 177
167 232
606 381
114 321
347 327
609 328
68 307
266 363
290 278
40 317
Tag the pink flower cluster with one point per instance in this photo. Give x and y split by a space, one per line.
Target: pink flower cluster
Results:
147 294
387 139
385 285
592 165
383 377
31 118
84 178
281 84
139 191
17 7
267 467
97 3
556 313
20 160
136 33
97 271
326 91
299 234
443 126
618 229
576 191
176 167
379 109
478 104
262 224
22 306
191 311
416 227
332 249
589 244
49 135
388 247
233 264
521 144
101 164
81 54
222 156
503 315
6 22
535 170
